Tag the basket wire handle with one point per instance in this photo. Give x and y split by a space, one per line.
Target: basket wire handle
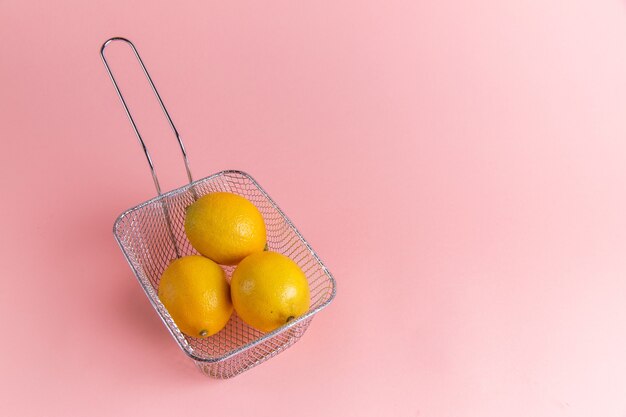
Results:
136 130
130 116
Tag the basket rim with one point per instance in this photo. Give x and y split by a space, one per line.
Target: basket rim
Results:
184 346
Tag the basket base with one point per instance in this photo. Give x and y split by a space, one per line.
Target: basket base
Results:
231 367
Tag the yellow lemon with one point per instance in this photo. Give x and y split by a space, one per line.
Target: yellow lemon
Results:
225 227
268 290
196 294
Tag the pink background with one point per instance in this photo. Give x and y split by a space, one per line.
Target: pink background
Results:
460 166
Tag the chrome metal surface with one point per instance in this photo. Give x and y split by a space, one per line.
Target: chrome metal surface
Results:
152 234
130 116
142 235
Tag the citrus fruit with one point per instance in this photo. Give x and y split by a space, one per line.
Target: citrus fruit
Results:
225 227
195 292
268 290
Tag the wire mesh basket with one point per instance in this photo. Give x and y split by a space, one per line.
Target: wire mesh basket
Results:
152 234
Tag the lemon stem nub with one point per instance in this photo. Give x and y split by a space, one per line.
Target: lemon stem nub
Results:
203 333
289 319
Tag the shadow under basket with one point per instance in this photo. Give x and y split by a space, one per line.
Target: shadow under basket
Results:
150 244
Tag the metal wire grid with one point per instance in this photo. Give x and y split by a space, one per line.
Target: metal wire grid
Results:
149 246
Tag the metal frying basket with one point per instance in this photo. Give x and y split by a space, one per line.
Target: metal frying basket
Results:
152 234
